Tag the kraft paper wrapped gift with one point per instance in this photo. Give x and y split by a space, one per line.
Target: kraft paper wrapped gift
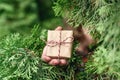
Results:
59 43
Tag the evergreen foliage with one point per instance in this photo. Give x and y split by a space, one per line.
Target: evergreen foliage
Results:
20 59
21 15
16 15
20 55
102 18
17 61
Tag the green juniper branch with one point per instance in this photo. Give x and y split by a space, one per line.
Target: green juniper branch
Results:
102 17
20 55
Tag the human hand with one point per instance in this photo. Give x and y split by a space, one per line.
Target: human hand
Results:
53 61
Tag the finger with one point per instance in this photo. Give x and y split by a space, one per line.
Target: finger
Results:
54 62
63 62
58 28
44 57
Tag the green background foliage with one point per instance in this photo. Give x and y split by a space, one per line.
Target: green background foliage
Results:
21 15
100 17
21 50
17 16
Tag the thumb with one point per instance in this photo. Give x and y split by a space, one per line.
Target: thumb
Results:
59 28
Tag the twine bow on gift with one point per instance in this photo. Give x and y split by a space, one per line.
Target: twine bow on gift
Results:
53 43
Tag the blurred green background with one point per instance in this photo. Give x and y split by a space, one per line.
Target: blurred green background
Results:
21 15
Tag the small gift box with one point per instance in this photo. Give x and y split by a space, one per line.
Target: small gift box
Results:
59 43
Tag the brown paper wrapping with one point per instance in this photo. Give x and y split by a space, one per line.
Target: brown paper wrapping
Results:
65 49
